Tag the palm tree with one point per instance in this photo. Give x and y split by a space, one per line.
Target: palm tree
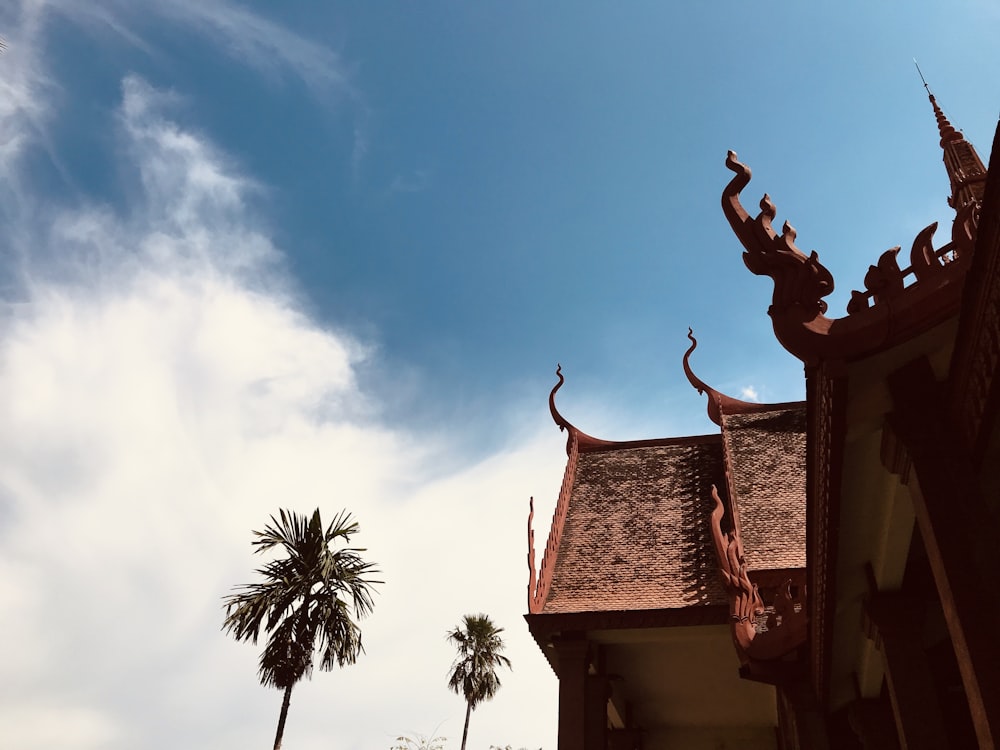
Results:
305 601
474 673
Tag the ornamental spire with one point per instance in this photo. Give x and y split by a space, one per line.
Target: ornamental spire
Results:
965 169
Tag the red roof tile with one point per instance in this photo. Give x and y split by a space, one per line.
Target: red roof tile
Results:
636 533
766 453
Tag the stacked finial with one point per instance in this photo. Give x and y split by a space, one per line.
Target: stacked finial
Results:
965 169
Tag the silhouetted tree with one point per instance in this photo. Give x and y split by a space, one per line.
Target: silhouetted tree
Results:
474 672
305 602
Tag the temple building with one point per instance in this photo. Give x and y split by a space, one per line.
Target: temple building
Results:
818 574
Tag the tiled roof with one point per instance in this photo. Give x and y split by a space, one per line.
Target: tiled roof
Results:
636 534
766 451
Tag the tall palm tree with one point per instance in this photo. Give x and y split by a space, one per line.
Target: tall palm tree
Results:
474 673
305 601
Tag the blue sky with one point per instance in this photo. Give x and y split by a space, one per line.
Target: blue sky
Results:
298 255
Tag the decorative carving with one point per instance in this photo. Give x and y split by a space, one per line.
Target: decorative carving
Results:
885 280
718 403
800 281
887 312
744 600
826 394
859 302
965 229
583 439
532 581
923 259
786 627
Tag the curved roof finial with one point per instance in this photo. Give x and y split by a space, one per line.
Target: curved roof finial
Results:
583 439
558 418
718 402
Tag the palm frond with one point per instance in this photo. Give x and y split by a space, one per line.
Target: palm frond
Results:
474 671
307 601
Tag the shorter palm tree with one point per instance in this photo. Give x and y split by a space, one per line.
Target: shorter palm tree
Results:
474 672
305 602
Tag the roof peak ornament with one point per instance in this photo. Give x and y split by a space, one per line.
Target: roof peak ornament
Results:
718 403
583 439
786 627
965 169
800 281
945 128
898 302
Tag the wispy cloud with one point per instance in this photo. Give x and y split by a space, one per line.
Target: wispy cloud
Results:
28 94
245 36
25 90
749 393
415 182
164 392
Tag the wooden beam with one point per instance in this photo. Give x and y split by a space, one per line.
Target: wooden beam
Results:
959 535
895 623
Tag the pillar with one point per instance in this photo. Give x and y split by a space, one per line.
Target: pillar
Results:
583 697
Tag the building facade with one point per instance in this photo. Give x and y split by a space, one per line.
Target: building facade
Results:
813 575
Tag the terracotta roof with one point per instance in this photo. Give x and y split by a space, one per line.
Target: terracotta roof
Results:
631 530
766 456
636 533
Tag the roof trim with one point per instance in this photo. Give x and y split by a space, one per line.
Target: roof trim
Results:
538 588
544 626
589 444
554 622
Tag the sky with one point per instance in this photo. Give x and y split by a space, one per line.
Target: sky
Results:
261 256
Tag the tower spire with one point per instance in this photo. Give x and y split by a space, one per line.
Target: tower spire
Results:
966 172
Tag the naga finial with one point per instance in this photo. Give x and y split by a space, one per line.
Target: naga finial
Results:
532 576
718 402
559 419
745 604
800 280
582 438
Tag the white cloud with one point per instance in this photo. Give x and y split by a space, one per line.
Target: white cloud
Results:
163 393
246 37
749 393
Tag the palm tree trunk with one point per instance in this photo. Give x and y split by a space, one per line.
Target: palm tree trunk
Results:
465 732
284 715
